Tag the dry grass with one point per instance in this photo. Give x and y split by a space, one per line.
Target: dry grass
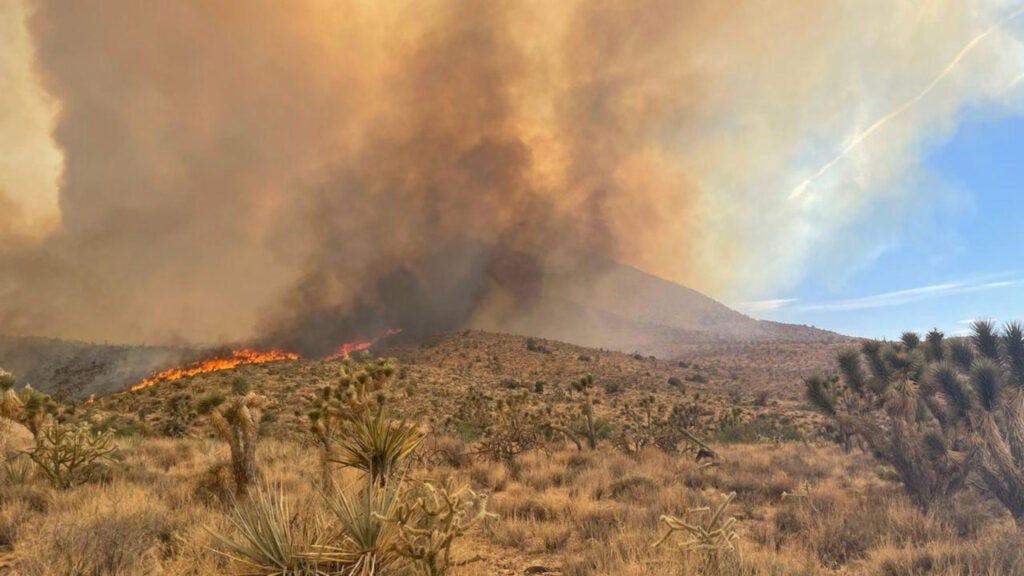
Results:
800 510
802 507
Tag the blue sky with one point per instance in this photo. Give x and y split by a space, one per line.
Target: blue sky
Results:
961 259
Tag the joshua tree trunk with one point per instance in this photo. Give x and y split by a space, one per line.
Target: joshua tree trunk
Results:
325 463
238 425
243 463
591 431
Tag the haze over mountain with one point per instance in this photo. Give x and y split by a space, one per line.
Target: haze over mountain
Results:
618 308
625 309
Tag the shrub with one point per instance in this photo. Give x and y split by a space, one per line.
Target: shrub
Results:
106 542
71 454
845 541
534 345
207 403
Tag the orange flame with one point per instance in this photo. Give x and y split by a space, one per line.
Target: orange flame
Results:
350 347
235 358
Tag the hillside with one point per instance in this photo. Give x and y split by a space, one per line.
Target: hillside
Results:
610 306
621 308
78 369
440 376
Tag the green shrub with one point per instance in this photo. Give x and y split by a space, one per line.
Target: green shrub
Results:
207 403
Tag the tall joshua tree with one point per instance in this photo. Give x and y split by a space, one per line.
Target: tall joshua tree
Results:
882 408
352 426
941 415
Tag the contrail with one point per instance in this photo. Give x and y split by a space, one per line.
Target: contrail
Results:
859 138
1013 84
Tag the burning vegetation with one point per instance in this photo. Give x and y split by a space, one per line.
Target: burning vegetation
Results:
350 347
227 361
244 356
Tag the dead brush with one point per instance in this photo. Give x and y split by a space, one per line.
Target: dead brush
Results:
713 542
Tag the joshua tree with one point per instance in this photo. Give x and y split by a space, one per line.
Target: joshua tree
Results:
32 409
937 417
517 428
352 426
569 424
238 424
9 405
585 386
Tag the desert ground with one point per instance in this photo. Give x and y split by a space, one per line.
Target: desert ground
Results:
500 418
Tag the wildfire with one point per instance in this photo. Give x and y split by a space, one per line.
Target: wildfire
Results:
350 347
225 362
247 356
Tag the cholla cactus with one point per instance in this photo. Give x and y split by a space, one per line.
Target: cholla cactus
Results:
713 541
238 424
66 453
431 523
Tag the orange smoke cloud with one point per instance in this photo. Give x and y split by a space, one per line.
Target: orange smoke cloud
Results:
229 170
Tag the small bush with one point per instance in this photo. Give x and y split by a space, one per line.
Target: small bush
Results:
612 388
112 542
207 403
845 541
633 489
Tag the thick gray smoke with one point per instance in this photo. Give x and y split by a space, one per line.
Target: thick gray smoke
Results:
310 171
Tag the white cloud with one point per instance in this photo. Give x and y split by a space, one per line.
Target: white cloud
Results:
907 296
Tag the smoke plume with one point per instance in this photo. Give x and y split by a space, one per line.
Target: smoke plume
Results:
301 171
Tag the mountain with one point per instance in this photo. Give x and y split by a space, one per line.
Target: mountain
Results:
611 306
78 369
622 308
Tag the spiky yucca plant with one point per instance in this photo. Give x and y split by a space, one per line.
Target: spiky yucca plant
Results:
369 542
9 407
238 424
270 539
376 445
940 417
